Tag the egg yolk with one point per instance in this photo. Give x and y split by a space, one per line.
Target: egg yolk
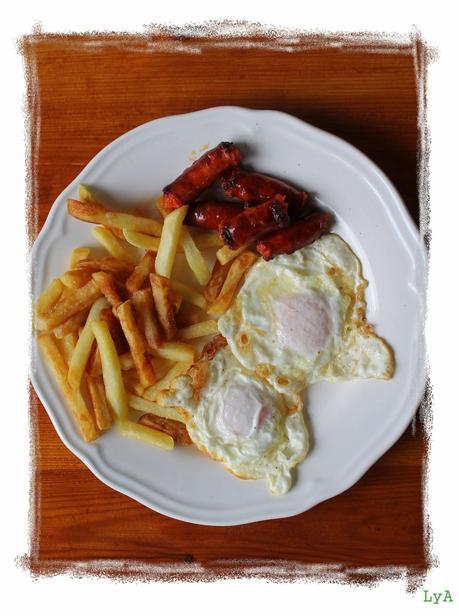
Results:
302 322
240 411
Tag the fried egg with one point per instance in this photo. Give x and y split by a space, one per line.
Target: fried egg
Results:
241 420
300 318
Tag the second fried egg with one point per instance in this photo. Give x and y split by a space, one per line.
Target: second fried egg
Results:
300 318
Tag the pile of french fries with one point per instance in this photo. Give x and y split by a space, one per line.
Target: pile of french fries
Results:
117 330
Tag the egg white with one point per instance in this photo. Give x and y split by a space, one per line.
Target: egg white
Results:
300 318
278 440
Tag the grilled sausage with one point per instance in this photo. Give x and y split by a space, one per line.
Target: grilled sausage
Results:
202 173
254 222
252 188
296 236
209 214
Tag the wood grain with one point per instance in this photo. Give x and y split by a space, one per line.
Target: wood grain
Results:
84 96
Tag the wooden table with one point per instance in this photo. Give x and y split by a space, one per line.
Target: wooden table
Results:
83 94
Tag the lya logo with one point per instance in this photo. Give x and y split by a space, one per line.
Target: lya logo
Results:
436 597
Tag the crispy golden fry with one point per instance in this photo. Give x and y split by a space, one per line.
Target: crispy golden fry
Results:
160 287
49 297
140 403
213 288
71 325
73 398
83 347
96 213
177 370
170 238
198 330
112 244
202 241
100 407
126 361
145 266
161 365
88 193
141 240
176 429
107 285
75 279
175 351
146 313
227 254
131 429
77 301
77 255
132 383
194 258
189 315
137 343
67 346
107 264
238 268
176 300
189 294
111 370
94 365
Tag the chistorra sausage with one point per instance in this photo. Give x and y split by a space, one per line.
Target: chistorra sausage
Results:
202 173
209 214
255 221
299 234
252 188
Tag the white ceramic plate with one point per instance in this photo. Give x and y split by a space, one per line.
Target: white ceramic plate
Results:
353 423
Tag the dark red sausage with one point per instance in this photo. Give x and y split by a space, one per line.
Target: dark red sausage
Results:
255 221
202 173
253 187
299 234
209 214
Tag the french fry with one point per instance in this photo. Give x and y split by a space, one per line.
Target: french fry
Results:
71 325
145 311
132 383
145 266
174 428
112 244
238 268
227 254
189 294
107 286
161 365
170 238
88 193
188 315
100 407
94 365
198 330
111 370
75 279
203 241
67 346
175 351
194 258
78 300
137 343
126 361
74 399
139 403
141 240
107 264
131 429
217 278
77 255
177 370
83 347
160 287
49 297
98 214
159 202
